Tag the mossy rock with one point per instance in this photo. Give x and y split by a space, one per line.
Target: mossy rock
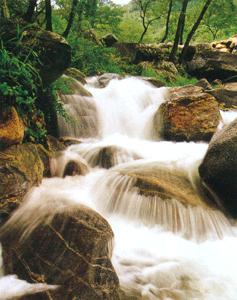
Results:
76 74
21 167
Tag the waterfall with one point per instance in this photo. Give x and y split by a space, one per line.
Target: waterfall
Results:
170 241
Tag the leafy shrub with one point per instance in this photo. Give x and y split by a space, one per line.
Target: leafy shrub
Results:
92 59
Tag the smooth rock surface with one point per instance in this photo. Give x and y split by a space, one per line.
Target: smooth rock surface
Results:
219 168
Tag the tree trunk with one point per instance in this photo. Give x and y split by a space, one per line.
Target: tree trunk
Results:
30 11
194 28
167 22
143 34
71 18
178 30
48 15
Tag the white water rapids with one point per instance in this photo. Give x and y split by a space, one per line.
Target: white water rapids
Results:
163 249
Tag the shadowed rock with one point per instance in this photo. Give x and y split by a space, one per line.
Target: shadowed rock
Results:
219 168
72 251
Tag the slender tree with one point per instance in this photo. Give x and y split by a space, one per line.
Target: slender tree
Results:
48 15
167 21
30 11
145 7
71 18
194 28
179 30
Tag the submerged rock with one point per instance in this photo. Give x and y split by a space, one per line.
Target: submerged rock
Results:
104 79
110 156
219 168
21 167
189 115
11 129
72 250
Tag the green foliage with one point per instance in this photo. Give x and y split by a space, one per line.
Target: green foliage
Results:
19 82
182 80
92 59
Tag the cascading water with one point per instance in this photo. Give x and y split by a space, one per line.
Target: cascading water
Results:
170 243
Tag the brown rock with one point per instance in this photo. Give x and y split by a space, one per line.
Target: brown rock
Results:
68 141
226 94
73 168
73 251
11 129
219 168
110 156
189 115
21 167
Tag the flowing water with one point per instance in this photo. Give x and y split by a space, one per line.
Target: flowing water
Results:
170 242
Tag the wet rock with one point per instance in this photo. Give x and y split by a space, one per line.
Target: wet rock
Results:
106 78
76 88
166 184
21 167
68 141
109 40
73 168
110 156
76 74
226 94
189 115
11 129
72 250
66 163
219 168
54 145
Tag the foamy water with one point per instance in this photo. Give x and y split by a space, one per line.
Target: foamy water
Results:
165 248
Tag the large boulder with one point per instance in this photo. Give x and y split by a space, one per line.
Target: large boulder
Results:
219 168
210 63
69 247
189 115
52 50
21 167
226 94
11 129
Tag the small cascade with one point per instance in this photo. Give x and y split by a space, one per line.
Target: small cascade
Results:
82 117
170 241
152 195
